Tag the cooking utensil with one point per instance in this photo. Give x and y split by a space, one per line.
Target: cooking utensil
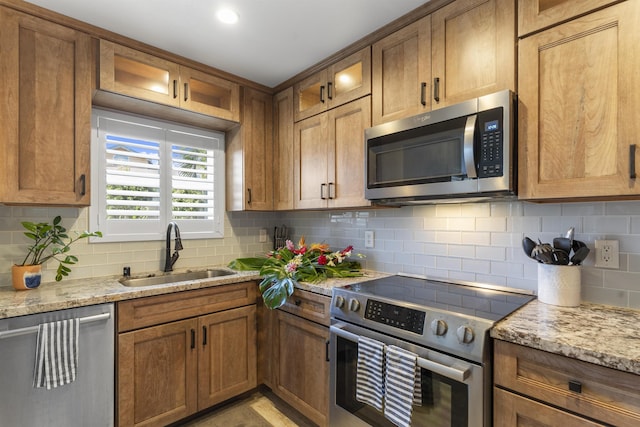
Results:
570 233
580 255
528 245
562 243
577 244
560 257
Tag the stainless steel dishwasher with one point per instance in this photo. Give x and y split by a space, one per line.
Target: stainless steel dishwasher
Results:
88 401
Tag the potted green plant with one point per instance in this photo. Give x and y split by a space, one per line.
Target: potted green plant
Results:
50 240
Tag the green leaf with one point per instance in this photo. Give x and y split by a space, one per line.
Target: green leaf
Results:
244 264
57 220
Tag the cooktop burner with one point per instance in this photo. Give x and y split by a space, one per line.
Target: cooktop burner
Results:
469 299
452 317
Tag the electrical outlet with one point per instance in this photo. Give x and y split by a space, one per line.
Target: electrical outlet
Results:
263 235
607 254
369 239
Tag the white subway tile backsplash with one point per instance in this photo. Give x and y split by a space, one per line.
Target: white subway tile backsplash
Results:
495 224
606 224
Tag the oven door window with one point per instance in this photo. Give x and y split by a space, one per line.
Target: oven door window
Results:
444 401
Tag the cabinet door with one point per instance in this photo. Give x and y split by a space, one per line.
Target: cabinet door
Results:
283 150
227 360
301 366
157 370
401 68
133 73
310 148
257 135
310 96
577 118
45 92
349 78
346 158
511 410
473 50
210 95
537 14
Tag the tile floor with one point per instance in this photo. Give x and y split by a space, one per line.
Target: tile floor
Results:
260 408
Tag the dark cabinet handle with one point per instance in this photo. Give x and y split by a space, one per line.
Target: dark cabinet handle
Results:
322 186
423 93
331 193
186 91
248 196
436 89
204 336
175 89
329 91
632 161
193 339
326 351
575 386
83 185
322 94
297 302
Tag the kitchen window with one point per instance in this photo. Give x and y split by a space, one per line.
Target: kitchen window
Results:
146 173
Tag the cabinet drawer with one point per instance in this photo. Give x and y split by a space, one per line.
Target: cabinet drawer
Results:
603 394
308 305
142 312
511 410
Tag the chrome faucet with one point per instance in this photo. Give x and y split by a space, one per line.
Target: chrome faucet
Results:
177 246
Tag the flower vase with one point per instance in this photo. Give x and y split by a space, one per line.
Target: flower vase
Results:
25 277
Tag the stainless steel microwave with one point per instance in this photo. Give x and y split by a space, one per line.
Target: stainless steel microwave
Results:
465 151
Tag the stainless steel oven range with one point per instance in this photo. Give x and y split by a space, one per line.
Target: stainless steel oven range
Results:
444 324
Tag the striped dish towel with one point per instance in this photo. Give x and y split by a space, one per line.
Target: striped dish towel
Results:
403 386
370 372
56 354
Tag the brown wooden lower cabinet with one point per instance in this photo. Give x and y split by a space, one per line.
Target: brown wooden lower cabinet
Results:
299 364
537 388
171 370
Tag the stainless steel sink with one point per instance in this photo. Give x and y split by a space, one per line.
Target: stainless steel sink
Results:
175 277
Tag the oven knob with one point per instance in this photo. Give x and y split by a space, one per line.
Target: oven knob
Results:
339 301
439 327
465 334
354 304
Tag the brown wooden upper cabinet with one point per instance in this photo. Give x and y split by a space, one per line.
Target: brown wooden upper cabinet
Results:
328 157
283 149
534 15
578 128
338 84
464 50
139 75
45 87
249 155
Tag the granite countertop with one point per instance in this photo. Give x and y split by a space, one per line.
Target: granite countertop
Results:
604 335
53 296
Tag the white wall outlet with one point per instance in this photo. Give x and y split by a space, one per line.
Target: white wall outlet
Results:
263 235
607 254
369 239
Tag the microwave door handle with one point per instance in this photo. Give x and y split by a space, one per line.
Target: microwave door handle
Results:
469 158
458 372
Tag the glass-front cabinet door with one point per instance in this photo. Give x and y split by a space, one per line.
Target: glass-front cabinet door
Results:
344 81
210 95
137 74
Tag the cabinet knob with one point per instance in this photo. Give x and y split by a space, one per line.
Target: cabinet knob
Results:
575 386
297 302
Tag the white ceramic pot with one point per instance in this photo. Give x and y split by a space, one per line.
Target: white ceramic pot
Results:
559 284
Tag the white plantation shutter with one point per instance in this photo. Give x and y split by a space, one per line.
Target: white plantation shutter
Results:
147 173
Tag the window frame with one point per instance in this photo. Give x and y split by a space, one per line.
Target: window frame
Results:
167 135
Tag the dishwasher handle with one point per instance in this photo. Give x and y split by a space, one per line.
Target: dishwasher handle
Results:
34 329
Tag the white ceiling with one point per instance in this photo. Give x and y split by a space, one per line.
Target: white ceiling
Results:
273 41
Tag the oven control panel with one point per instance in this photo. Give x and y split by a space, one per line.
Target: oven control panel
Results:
394 315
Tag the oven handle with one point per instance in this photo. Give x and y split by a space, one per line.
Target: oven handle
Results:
469 158
459 373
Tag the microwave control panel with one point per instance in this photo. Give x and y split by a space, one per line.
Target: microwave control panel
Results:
491 145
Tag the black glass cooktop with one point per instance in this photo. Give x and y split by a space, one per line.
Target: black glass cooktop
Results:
463 298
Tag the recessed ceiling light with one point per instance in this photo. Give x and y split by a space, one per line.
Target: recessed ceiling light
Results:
227 16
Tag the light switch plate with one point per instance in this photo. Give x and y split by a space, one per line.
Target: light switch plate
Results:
369 239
